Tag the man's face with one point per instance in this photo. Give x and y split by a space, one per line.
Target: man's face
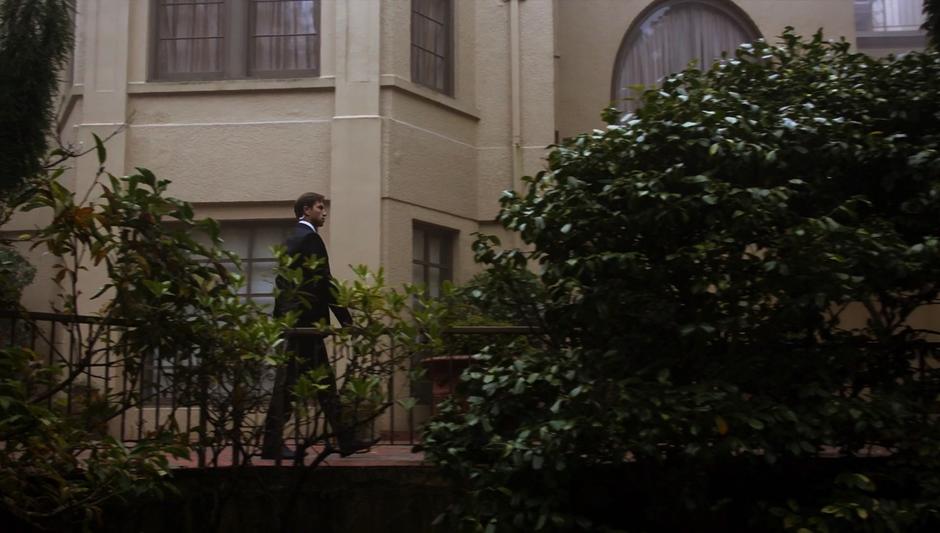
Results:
316 214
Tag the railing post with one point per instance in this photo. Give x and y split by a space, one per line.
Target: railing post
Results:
203 392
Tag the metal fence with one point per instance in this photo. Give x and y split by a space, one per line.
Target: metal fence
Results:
135 397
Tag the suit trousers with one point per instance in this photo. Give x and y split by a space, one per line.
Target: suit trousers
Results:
309 352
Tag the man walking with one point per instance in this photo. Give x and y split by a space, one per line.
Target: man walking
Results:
313 300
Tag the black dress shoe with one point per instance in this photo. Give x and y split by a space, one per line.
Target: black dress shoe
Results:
356 446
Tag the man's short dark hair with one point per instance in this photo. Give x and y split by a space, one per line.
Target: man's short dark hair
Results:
306 199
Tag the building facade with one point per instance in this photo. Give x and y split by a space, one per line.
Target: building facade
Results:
411 116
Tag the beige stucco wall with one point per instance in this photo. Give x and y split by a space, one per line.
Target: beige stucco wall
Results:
233 147
398 219
385 150
238 148
590 33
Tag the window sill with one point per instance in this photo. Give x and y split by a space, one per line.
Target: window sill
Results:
260 84
396 82
891 39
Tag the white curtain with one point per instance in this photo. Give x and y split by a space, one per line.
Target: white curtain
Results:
284 35
668 39
190 36
897 15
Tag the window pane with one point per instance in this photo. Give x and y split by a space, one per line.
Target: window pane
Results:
889 15
262 278
280 17
434 281
190 37
285 53
265 301
417 274
431 35
284 35
431 269
202 238
235 239
265 238
437 10
417 245
434 249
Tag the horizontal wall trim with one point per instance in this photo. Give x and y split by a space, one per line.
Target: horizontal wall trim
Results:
433 209
247 123
412 88
101 125
532 147
285 84
430 132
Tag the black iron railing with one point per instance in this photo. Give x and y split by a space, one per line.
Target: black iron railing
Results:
135 397
153 393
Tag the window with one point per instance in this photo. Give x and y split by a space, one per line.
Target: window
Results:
888 15
432 257
214 39
889 26
672 33
432 33
252 242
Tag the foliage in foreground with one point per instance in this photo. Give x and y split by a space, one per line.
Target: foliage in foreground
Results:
932 22
701 260
35 43
170 309
165 294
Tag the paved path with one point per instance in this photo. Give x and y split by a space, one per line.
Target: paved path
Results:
382 455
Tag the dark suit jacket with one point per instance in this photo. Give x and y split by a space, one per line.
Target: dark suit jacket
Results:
316 290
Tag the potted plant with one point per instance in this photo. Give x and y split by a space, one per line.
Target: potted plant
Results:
470 325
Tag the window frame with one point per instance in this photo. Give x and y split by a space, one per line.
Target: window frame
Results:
155 372
869 37
448 240
236 55
248 262
450 41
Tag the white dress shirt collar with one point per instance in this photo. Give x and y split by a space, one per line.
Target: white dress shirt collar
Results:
307 223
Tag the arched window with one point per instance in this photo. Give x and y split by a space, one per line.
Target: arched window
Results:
670 34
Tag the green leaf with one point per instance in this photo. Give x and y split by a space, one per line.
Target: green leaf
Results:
721 425
100 149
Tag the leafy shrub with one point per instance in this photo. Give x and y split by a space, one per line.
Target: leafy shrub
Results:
699 263
168 305
15 274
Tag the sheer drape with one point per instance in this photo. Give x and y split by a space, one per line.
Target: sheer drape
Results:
190 36
430 43
668 39
198 39
897 15
284 35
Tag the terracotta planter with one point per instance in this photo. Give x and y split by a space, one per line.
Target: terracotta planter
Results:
444 372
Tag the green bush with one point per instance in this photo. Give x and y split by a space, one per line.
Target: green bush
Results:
15 274
35 44
699 259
